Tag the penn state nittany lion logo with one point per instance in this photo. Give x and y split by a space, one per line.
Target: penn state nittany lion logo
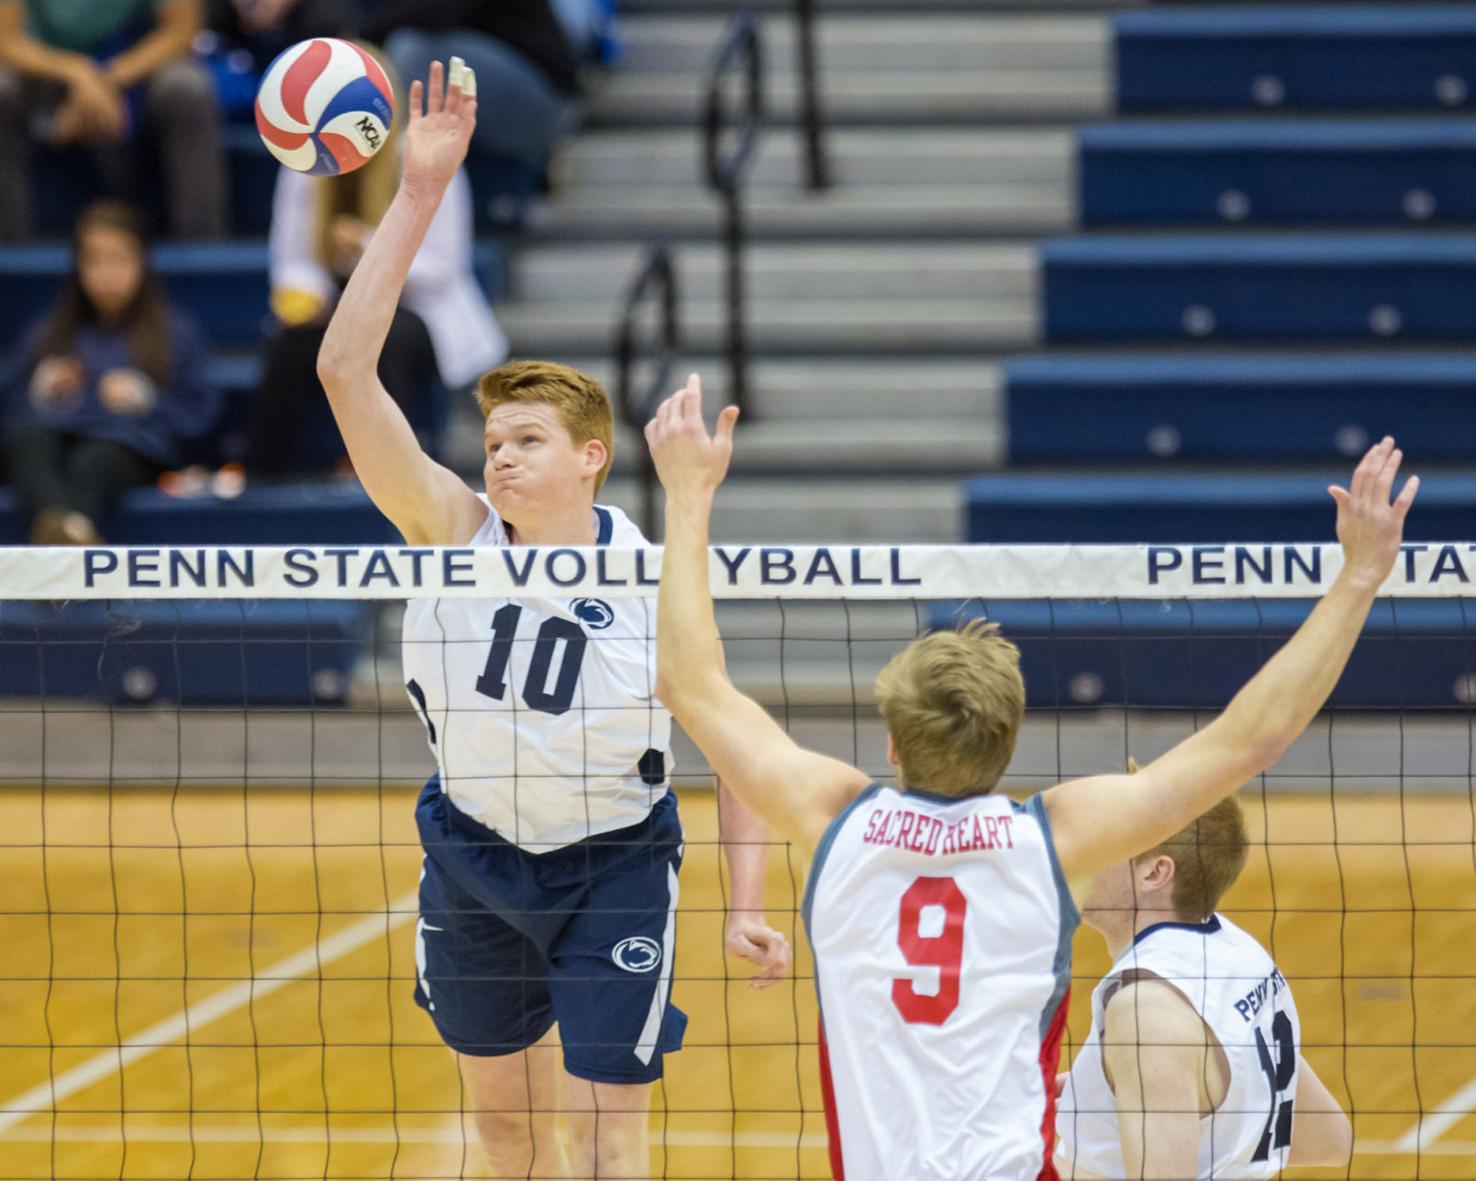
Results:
595 612
637 954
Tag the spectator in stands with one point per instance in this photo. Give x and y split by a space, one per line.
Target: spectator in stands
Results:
443 328
106 385
526 67
267 27
85 75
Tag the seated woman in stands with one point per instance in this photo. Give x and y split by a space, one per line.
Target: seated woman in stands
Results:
105 386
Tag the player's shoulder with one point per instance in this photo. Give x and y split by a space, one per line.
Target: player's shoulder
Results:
614 527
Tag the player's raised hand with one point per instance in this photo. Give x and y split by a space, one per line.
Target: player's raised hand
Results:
750 938
689 461
1370 525
437 136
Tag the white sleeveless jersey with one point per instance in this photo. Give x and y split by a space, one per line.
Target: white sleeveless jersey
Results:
1237 990
541 713
942 936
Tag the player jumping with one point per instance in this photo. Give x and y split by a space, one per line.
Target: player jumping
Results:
552 842
941 913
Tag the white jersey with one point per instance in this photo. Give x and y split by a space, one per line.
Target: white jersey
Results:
942 935
541 713
1242 997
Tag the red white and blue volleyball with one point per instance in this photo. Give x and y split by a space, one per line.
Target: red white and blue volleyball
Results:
324 107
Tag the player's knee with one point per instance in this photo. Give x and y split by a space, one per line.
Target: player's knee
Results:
620 1148
510 1139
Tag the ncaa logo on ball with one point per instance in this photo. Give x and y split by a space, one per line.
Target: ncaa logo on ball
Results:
637 954
595 612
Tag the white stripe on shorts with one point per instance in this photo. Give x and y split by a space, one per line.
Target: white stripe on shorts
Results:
651 1032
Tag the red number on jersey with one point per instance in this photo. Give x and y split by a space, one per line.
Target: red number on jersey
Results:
943 951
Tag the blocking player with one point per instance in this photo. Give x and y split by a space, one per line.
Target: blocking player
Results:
1193 1066
940 912
549 885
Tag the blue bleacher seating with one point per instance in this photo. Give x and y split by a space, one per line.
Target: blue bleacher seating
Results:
199 652
1334 56
1028 508
223 285
1260 288
265 514
1387 172
191 652
1065 409
1182 654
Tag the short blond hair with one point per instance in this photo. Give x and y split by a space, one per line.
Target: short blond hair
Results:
579 400
953 703
1208 855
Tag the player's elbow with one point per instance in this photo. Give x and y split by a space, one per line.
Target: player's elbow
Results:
1321 1139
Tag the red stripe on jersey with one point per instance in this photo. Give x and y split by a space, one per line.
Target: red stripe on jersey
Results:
832 1117
1050 1063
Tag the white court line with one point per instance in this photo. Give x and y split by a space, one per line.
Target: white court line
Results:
235 1134
1440 1120
203 1133
227 1000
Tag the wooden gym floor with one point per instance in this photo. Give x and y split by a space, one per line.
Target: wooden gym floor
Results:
137 919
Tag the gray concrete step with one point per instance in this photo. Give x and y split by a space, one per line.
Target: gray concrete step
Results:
666 159
945 97
829 390
929 9
875 211
848 43
600 274
860 509
831 416
795 327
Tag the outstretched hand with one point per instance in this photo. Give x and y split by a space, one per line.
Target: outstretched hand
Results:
689 461
1370 527
437 137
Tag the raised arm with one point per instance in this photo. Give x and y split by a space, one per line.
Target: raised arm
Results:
428 503
1106 819
797 791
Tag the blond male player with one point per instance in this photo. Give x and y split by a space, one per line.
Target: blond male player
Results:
1193 1067
552 841
939 911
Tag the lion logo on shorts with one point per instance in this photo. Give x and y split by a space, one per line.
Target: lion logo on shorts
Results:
637 954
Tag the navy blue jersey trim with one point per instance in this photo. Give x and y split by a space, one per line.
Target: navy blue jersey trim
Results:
604 525
419 694
1208 927
823 849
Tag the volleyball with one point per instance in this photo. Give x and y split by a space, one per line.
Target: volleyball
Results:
325 107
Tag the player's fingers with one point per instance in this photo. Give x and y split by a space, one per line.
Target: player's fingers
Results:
417 96
1355 485
435 90
1339 495
469 83
726 420
1406 497
1384 485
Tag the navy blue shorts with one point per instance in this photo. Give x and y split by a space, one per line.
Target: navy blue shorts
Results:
509 941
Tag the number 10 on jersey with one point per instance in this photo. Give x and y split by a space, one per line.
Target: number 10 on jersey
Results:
537 694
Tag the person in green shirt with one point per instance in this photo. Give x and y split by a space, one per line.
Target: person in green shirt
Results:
78 73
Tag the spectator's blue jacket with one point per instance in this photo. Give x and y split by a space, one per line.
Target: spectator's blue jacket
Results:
187 404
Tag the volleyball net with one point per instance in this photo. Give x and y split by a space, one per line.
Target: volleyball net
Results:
209 863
